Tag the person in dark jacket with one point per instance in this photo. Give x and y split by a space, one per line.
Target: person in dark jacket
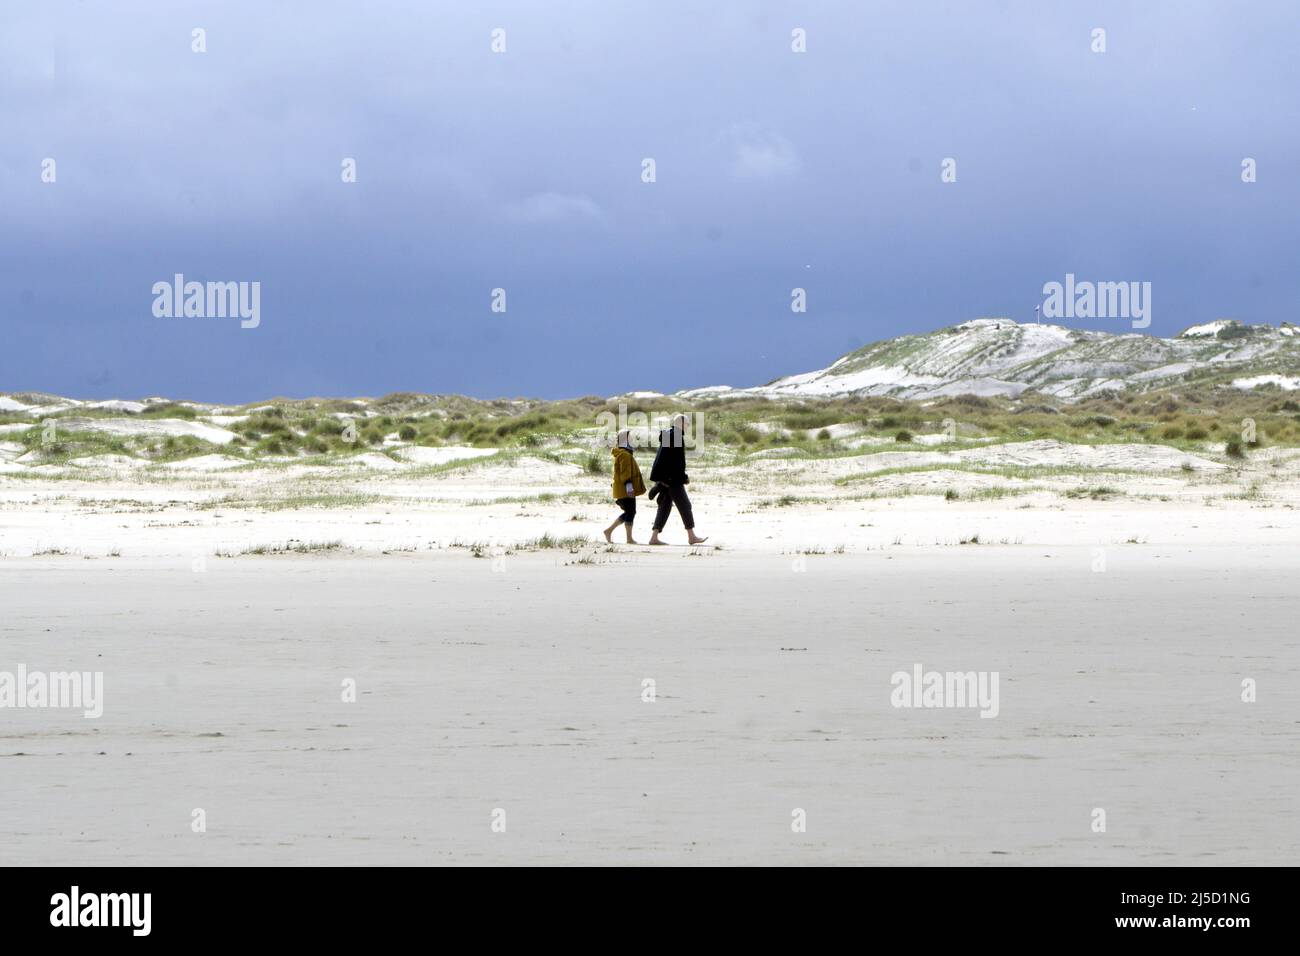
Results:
670 478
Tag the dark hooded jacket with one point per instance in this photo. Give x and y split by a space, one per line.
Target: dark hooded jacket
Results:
670 460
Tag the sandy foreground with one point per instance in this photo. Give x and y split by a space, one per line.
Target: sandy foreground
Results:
496 674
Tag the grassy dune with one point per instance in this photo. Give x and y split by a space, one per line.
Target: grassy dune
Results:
735 429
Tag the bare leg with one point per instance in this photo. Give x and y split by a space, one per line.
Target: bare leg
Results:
610 530
682 501
627 525
654 538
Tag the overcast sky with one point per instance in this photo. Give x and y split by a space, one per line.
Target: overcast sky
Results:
522 170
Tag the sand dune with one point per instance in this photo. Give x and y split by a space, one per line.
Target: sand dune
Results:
153 427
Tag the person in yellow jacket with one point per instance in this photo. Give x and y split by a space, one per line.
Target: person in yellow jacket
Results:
627 486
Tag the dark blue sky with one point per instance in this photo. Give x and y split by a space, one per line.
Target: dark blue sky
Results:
522 170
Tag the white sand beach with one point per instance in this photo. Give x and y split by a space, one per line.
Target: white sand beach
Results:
499 662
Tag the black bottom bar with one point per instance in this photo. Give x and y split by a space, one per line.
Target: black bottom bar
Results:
333 905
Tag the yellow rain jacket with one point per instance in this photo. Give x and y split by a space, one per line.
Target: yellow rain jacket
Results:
625 470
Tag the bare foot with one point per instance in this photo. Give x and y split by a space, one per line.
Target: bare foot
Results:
630 541
694 540
608 538
654 539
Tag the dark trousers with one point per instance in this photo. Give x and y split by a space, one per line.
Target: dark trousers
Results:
629 509
670 495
